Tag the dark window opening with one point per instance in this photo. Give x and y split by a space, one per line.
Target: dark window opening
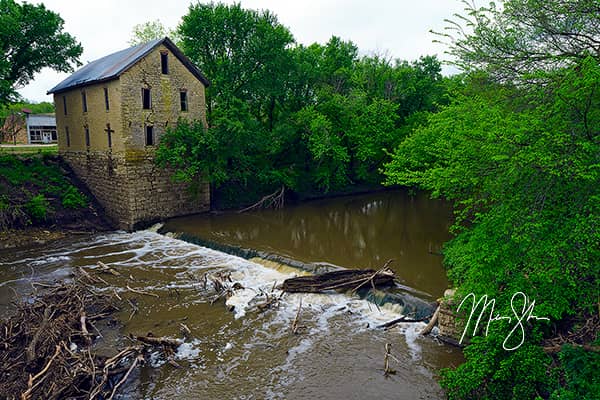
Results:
145 99
54 135
106 99
183 100
65 104
149 135
164 63
68 137
84 101
87 136
109 134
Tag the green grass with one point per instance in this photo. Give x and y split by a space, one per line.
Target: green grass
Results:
27 149
34 190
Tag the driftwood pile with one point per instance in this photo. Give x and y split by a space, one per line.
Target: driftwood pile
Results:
46 346
342 280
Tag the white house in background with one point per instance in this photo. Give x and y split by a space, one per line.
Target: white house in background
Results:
41 128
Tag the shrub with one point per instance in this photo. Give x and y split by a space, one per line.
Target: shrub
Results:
37 208
13 170
73 198
579 374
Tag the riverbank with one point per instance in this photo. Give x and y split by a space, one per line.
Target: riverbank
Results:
35 237
42 200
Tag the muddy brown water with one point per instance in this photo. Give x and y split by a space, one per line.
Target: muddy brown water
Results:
249 354
362 231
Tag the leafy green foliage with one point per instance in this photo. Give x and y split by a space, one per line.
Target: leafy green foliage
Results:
36 108
516 39
525 180
34 190
492 373
37 208
524 175
31 38
522 164
312 119
242 51
325 148
73 198
151 30
580 374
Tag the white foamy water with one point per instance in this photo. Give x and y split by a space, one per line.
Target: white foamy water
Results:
155 263
150 249
147 248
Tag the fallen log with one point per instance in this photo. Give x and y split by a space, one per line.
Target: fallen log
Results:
159 341
396 321
347 279
432 322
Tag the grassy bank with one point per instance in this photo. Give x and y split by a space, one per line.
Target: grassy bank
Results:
40 191
47 149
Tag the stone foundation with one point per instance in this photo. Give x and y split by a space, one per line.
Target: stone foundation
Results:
450 324
133 190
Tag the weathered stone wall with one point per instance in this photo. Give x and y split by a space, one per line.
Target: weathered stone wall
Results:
153 194
132 189
450 323
124 177
165 107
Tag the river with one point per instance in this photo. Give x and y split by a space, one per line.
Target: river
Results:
237 350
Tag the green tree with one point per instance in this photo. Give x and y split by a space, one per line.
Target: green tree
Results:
243 52
31 38
522 164
361 106
236 154
311 118
245 55
515 39
151 30
43 107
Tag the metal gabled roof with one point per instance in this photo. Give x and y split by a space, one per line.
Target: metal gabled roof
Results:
112 66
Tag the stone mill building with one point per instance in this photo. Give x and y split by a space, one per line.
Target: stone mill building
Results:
110 115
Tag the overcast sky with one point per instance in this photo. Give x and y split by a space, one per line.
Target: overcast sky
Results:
399 28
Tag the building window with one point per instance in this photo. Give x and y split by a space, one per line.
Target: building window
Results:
87 136
149 135
68 136
35 134
54 135
65 104
84 101
109 133
183 100
106 99
164 63
146 99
